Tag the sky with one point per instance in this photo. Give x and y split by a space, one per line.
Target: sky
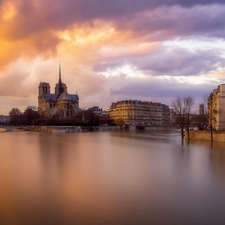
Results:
152 50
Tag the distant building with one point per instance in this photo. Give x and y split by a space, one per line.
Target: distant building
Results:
201 109
143 112
102 114
172 117
4 119
96 110
217 112
60 104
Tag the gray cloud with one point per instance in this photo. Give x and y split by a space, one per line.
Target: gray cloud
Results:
170 61
155 89
168 18
169 22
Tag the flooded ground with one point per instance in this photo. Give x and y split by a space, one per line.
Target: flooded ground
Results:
146 177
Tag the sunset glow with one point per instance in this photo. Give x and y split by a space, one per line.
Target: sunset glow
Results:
110 50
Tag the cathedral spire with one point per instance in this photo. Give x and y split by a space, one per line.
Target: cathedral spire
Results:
61 90
60 80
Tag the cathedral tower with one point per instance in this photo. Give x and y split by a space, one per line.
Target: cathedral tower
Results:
60 87
43 89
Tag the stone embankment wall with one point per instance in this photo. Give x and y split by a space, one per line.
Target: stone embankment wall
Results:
56 129
202 135
69 129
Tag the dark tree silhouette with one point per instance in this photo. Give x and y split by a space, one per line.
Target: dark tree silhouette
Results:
30 115
15 116
182 107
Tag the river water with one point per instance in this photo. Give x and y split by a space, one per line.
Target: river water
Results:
147 177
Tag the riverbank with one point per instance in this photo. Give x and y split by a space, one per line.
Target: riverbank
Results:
73 129
202 135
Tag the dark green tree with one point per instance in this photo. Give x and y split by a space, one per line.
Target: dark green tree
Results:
30 115
15 116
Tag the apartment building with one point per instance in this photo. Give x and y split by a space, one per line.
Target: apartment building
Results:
216 108
134 112
4 119
201 109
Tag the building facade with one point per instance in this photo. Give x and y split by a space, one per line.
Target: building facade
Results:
60 104
201 109
216 108
4 119
140 112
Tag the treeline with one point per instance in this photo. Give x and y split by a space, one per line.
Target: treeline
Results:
31 117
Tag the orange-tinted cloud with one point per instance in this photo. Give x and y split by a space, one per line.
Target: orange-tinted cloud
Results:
92 36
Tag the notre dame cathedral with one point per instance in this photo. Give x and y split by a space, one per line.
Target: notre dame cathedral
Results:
61 104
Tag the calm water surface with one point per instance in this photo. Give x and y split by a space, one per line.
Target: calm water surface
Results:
110 178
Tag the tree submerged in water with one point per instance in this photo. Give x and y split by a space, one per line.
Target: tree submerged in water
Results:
182 107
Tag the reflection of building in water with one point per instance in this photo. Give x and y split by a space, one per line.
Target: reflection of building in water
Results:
217 156
133 111
217 112
60 104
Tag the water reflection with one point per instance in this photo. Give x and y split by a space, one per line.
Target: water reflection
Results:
110 178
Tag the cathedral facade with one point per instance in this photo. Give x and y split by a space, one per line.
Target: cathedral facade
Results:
61 104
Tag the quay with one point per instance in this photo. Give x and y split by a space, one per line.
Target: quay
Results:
203 135
73 129
81 129
13 128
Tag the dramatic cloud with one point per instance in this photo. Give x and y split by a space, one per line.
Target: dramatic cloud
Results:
160 88
170 61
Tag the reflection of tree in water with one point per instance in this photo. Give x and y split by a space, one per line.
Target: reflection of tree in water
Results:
216 151
213 146
217 156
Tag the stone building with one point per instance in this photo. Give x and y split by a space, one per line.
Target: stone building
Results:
133 111
60 104
172 117
201 109
4 119
216 108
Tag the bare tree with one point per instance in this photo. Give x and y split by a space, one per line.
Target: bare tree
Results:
178 107
182 107
189 103
212 113
205 99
